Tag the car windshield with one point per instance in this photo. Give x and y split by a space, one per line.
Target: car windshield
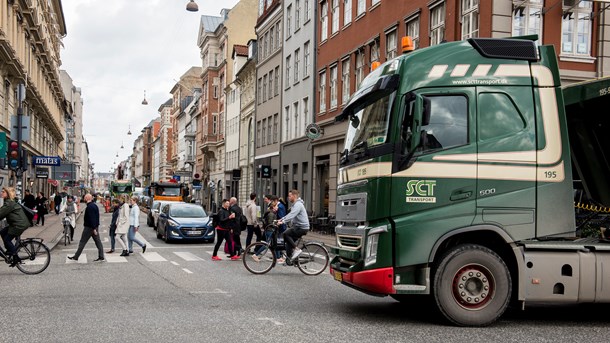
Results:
369 126
187 212
156 205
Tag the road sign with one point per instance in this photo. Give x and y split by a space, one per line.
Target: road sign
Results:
176 177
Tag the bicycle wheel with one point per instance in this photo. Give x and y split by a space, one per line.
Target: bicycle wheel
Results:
313 259
66 235
35 257
259 258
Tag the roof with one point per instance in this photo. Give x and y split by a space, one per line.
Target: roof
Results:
210 23
240 50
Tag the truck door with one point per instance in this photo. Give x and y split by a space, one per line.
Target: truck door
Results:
434 192
506 159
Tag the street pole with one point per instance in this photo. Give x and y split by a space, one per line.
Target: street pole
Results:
19 170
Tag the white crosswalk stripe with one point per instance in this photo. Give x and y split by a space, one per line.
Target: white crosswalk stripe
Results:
149 256
154 257
81 259
187 256
115 258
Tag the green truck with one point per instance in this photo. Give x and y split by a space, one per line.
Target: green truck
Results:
457 182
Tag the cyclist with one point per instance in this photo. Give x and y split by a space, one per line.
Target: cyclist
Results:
300 224
17 223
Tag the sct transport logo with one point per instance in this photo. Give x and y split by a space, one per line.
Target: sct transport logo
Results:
421 191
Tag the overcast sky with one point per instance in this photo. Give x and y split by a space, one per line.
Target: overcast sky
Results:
117 49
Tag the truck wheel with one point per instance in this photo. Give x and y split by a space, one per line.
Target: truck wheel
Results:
472 285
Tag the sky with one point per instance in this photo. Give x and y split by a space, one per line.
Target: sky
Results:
114 51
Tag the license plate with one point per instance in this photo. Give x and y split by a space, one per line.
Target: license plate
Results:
338 276
193 233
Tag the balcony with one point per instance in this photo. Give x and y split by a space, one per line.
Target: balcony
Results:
189 135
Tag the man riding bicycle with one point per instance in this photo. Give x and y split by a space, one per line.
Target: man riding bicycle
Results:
17 223
300 224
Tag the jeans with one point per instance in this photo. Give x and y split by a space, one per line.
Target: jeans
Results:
290 236
111 234
253 230
131 237
8 242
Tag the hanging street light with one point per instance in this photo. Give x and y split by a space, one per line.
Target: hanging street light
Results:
192 6
129 130
144 102
121 144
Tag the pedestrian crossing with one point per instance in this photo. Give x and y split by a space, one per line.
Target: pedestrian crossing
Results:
149 256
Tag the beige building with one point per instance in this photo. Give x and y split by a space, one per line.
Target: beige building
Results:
30 42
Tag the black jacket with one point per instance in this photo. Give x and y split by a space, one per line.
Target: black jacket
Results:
224 222
237 221
92 216
29 201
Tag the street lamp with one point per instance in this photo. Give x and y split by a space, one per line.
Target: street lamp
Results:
144 102
192 6
129 129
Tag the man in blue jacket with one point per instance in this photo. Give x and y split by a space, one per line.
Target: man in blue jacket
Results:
91 225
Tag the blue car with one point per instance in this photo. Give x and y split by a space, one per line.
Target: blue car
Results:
179 221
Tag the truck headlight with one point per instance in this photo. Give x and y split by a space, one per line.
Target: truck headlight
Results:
372 242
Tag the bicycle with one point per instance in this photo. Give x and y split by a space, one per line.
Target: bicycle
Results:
261 257
35 256
67 233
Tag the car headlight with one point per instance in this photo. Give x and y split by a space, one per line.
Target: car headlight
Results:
172 222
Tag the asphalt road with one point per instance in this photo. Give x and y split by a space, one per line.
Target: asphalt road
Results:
176 293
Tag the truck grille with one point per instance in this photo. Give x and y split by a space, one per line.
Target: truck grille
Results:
349 242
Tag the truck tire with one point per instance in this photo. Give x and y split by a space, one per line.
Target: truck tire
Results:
472 285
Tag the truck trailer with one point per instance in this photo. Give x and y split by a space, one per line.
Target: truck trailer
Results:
458 179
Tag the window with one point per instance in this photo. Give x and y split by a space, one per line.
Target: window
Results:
375 2
297 52
347 12
361 7
322 90
576 30
287 72
276 121
335 16
323 21
333 86
306 59
437 24
278 43
345 81
413 31
266 45
265 88
448 125
288 21
470 18
297 14
359 67
527 19
276 86
498 116
287 124
305 110
390 45
306 11
374 51
297 120
269 141
261 6
264 135
215 123
270 84
271 40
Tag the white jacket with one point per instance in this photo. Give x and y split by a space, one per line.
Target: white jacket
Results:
122 223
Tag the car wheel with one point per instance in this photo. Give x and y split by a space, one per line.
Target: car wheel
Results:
166 236
159 235
149 221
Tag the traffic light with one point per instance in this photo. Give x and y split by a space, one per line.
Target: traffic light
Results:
13 155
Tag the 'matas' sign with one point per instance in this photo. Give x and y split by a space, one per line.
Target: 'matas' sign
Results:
46 160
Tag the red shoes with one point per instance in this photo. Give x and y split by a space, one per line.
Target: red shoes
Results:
235 258
216 258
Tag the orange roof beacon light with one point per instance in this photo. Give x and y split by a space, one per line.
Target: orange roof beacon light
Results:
407 45
375 65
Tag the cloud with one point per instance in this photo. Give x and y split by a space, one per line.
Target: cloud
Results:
116 49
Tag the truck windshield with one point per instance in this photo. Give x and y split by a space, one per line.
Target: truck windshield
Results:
167 191
368 127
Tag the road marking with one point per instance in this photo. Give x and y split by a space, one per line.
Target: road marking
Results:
115 258
153 257
216 291
187 256
209 252
82 259
36 262
105 240
187 271
174 263
270 320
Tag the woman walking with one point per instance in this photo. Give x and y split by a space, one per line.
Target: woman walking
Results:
134 225
122 224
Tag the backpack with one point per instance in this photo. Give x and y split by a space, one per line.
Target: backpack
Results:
29 214
243 221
